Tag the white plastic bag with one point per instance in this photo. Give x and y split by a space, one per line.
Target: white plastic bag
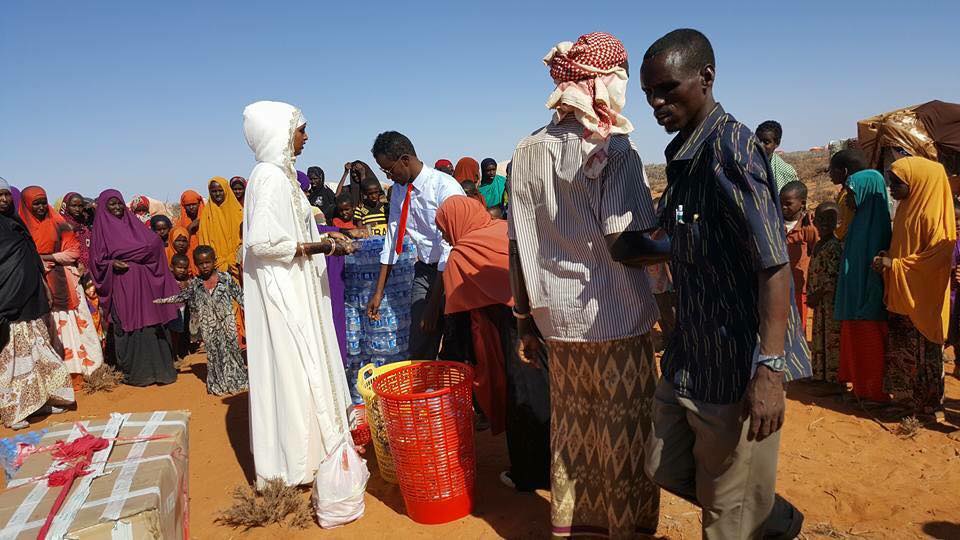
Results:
339 486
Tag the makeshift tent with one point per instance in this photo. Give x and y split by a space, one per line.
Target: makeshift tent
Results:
931 130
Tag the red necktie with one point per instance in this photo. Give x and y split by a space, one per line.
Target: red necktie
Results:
402 229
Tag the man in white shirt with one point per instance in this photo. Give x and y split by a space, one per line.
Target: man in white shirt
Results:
419 191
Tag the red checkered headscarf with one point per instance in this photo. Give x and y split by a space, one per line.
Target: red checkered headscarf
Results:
598 50
592 85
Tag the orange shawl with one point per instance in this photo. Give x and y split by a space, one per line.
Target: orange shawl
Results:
190 197
478 268
477 276
53 236
220 226
467 169
175 233
924 237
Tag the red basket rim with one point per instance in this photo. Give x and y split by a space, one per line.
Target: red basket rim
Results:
423 395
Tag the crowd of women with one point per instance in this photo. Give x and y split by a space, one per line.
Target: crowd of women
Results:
882 294
108 272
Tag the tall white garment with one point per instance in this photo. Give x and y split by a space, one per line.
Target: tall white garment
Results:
298 388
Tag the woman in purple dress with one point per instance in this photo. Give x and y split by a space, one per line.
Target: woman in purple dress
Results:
129 267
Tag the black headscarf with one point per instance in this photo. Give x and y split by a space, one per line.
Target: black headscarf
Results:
22 294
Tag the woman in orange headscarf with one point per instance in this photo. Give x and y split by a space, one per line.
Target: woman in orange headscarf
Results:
916 276
191 209
178 242
514 395
467 169
57 245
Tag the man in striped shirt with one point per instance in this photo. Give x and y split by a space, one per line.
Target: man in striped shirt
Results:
720 404
577 193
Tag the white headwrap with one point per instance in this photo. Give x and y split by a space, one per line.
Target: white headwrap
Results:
581 97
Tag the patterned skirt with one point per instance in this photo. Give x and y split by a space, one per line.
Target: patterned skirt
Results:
914 367
32 374
76 336
825 347
600 404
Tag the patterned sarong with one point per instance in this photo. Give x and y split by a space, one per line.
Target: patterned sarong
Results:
600 405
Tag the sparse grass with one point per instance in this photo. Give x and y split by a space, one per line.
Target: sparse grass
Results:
909 427
276 503
104 379
823 530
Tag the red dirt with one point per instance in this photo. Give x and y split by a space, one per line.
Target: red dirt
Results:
852 476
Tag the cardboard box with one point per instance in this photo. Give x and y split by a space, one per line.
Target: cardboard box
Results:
137 490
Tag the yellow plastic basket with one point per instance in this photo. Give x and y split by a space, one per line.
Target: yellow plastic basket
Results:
378 431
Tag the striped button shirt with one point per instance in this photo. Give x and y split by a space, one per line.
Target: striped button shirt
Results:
559 218
725 225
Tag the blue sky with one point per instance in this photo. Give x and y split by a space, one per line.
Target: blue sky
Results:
147 96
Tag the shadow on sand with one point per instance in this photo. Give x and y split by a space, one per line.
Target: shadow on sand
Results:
238 427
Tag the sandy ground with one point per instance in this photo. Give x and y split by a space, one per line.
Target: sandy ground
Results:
852 476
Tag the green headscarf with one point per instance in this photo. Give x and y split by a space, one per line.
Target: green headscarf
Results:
493 192
859 288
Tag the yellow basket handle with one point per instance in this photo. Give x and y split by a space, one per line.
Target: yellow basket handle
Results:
365 373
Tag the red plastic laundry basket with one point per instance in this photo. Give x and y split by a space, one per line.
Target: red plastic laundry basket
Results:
428 411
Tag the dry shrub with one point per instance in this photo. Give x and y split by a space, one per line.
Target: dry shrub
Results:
656 177
811 168
823 530
104 379
909 427
276 503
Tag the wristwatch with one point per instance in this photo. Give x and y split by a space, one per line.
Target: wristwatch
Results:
775 362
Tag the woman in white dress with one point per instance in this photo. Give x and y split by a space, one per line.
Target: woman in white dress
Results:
298 390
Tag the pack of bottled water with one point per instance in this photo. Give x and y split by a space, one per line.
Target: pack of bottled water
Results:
387 339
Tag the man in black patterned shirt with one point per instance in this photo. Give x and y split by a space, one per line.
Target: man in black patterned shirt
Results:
720 403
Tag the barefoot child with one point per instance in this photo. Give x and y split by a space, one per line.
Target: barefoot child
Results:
210 296
821 288
801 238
179 338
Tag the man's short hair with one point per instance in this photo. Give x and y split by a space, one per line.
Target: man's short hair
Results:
795 187
204 250
771 126
851 159
179 258
392 145
695 49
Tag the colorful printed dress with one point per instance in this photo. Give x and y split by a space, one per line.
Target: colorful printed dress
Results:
213 309
822 282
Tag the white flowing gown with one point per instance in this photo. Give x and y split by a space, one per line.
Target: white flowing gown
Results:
298 388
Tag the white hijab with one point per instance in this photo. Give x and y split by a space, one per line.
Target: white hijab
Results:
268 127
